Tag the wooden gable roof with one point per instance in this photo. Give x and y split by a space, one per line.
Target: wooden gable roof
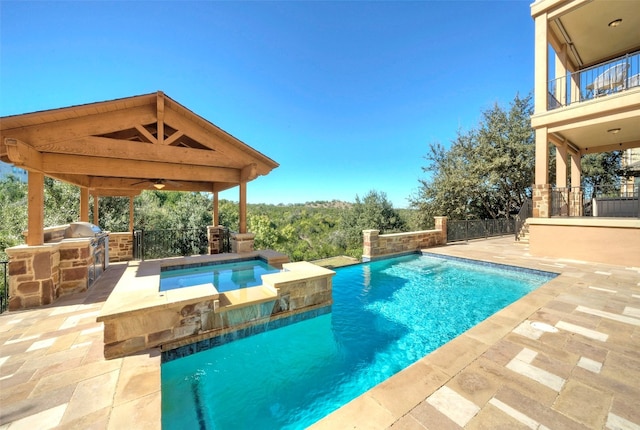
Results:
122 146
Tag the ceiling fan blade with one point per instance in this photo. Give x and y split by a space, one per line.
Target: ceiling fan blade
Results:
141 182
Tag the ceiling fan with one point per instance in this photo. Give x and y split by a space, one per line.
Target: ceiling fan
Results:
158 184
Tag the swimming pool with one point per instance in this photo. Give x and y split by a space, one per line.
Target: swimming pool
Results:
224 276
386 315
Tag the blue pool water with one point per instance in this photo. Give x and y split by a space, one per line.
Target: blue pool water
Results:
386 315
224 276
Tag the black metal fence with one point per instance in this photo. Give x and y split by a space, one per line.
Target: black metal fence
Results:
478 229
150 244
4 286
619 202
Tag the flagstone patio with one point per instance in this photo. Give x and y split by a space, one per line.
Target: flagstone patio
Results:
565 356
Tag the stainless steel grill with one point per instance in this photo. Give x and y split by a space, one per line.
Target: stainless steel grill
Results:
83 229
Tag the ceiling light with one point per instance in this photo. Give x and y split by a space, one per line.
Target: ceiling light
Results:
613 130
615 22
158 185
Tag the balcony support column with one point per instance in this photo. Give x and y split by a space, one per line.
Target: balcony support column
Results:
561 165
541 61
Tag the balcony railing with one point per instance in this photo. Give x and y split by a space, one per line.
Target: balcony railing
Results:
614 76
617 202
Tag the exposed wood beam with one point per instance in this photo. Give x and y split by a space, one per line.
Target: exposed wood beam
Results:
145 133
103 123
160 115
115 193
79 180
126 149
23 155
175 136
127 184
249 172
96 166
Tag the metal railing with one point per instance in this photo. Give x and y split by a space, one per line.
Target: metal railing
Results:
602 79
4 286
479 229
150 244
605 201
526 211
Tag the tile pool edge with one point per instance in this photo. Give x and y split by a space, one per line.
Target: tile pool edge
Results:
538 272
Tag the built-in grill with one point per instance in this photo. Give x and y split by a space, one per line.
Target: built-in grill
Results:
99 245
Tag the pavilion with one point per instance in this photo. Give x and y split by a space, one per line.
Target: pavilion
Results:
116 148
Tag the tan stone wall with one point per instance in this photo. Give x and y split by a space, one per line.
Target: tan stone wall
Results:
541 201
377 245
75 261
120 246
38 275
33 275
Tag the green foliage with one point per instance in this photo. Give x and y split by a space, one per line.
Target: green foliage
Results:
486 173
13 213
373 212
307 231
61 202
601 172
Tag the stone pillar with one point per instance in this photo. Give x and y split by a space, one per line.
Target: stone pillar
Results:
120 246
541 201
370 244
33 275
214 234
242 242
441 224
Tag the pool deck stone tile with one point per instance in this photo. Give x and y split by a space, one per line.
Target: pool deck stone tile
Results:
502 373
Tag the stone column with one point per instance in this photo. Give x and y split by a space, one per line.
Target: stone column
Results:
370 244
214 233
541 200
242 242
33 275
441 224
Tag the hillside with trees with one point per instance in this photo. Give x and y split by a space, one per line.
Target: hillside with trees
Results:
306 231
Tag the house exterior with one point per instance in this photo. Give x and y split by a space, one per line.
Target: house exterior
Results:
587 100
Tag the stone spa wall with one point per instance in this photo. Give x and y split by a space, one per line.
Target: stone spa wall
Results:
138 316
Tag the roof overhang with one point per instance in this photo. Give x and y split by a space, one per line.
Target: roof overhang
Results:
122 146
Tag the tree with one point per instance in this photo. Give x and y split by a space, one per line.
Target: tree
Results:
601 173
13 213
486 173
373 212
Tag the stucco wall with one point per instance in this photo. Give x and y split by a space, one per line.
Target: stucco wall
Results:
610 241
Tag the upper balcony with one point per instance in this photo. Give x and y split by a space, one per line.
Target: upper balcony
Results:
587 73
610 77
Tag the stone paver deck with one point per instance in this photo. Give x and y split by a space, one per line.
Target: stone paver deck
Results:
565 356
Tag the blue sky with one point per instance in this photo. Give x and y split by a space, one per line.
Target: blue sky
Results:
346 96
